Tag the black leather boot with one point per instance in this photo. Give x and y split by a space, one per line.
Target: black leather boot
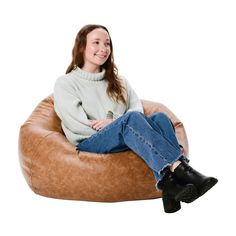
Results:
185 174
173 193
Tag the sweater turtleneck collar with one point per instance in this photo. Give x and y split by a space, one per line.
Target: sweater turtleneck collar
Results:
88 75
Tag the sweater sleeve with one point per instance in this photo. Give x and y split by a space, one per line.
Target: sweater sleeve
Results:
68 107
133 101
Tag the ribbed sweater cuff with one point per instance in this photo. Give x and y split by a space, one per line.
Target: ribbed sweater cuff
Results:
113 116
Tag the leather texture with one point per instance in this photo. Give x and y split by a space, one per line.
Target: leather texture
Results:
53 168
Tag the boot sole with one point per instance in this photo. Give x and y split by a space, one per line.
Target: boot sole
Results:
207 186
188 194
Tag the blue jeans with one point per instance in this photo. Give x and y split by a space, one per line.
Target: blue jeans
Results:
150 137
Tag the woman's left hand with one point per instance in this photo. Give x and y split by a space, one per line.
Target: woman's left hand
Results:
99 124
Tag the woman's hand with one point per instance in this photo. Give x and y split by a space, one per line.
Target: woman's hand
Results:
99 124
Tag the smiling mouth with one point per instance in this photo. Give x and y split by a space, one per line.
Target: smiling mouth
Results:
101 56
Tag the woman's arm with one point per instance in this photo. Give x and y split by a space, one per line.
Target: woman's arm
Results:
134 103
68 107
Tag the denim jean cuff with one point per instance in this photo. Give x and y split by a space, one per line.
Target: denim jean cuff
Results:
159 184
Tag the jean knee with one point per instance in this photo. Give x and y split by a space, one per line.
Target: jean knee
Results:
162 119
134 116
160 116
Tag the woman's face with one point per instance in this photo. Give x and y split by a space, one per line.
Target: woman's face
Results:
97 50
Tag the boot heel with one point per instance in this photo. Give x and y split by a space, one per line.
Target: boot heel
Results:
170 205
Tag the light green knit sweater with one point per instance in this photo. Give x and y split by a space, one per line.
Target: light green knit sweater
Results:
80 96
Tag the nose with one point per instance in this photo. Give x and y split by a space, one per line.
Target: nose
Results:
103 48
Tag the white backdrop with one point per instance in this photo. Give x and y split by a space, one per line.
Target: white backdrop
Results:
180 53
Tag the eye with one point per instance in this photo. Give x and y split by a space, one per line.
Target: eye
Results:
96 42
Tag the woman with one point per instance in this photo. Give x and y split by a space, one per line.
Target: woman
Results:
101 113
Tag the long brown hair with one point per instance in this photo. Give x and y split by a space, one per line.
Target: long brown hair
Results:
115 89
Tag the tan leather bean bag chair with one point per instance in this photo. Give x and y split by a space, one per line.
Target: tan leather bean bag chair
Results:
53 168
